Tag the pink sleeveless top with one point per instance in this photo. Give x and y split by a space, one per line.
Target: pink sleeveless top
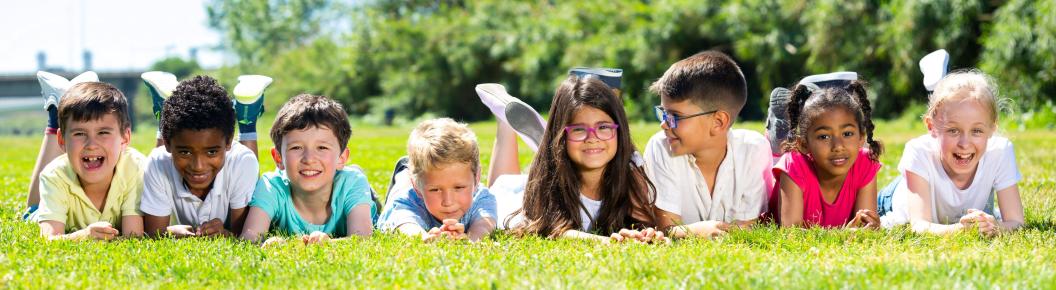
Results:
817 212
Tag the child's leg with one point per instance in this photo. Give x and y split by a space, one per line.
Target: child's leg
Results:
49 149
885 196
160 86
401 165
249 105
504 154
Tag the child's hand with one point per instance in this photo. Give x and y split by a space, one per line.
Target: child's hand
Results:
865 219
317 237
212 227
98 231
273 241
709 229
451 229
180 231
646 236
985 223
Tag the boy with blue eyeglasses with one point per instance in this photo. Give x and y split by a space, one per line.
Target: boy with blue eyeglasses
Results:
708 176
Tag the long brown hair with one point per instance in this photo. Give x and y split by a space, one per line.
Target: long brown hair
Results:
551 199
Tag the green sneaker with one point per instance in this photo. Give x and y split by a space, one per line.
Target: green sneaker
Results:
160 84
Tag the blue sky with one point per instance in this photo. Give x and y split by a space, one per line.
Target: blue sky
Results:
121 34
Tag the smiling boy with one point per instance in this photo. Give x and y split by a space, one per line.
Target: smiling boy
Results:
95 186
708 176
200 182
312 194
439 193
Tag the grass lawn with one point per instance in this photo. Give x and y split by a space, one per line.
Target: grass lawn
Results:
764 257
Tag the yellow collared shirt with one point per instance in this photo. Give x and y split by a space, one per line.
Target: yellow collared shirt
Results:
62 198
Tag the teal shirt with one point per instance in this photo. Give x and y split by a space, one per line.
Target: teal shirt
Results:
272 195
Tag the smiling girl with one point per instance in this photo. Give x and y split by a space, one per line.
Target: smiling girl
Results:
826 176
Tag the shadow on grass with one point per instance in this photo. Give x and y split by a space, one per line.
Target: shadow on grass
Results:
1044 225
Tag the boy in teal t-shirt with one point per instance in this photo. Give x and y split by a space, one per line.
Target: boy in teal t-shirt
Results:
273 197
311 194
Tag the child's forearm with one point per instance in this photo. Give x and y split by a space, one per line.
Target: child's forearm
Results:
481 228
922 226
1007 226
574 234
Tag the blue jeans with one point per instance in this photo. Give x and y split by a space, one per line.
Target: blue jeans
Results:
886 195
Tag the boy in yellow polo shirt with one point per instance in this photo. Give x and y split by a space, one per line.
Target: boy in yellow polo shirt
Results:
93 190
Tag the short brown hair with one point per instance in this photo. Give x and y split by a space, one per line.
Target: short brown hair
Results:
307 110
710 79
442 141
93 100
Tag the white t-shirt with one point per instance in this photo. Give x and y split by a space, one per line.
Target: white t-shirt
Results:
509 197
742 185
164 192
997 170
590 211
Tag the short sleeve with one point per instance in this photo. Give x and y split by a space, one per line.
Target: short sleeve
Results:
865 168
754 195
53 194
403 210
484 206
916 158
355 190
1007 171
157 189
266 195
130 207
244 172
658 169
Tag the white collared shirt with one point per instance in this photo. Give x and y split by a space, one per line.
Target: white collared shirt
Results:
165 194
742 184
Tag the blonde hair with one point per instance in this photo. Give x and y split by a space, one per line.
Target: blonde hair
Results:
441 141
963 85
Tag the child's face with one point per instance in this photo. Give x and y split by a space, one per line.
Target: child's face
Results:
198 156
689 136
833 139
311 158
592 153
448 190
962 128
94 147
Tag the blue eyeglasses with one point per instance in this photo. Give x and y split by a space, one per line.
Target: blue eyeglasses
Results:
671 120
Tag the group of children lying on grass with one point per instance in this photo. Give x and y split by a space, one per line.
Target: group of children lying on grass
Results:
815 167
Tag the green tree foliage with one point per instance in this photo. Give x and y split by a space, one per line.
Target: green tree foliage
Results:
425 56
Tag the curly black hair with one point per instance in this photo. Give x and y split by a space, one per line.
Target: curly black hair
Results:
196 104
807 102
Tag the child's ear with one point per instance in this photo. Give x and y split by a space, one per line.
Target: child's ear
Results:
930 124
722 122
278 158
59 137
126 136
343 157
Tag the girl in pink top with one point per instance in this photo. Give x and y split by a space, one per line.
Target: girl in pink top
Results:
826 177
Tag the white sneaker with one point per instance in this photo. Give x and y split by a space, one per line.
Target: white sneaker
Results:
250 88
934 66
520 116
53 86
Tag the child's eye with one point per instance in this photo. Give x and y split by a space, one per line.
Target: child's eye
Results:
294 148
824 137
322 148
977 131
953 131
212 152
184 152
848 134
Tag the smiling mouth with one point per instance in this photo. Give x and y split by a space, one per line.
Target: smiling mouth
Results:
593 151
839 161
198 178
92 162
963 159
310 173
